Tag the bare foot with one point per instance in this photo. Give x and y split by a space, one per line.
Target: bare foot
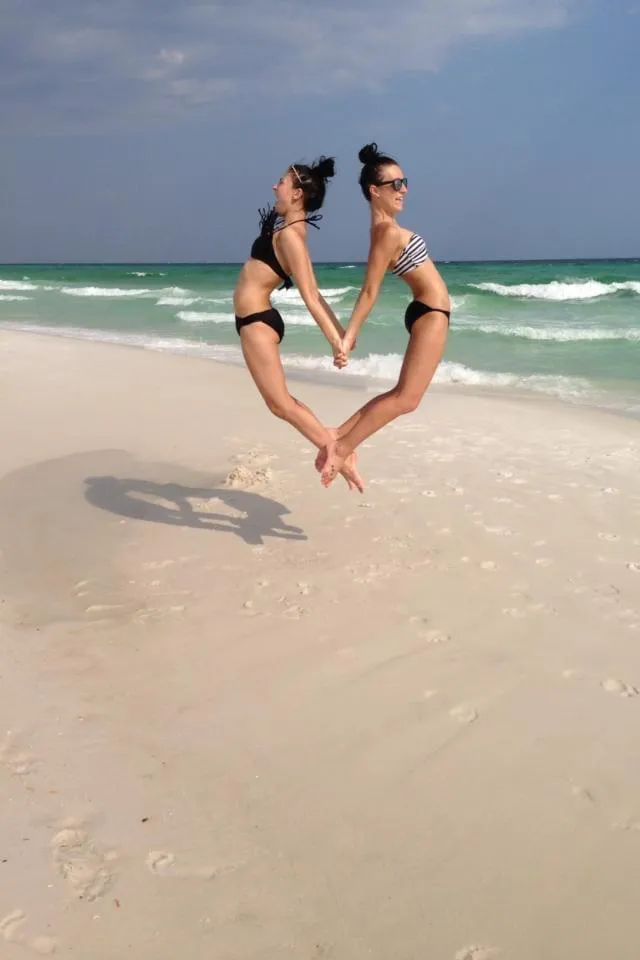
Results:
321 459
334 463
349 471
351 474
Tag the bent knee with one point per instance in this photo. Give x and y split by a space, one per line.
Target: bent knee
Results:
280 407
407 402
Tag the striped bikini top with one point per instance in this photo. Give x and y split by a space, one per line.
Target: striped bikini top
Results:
414 253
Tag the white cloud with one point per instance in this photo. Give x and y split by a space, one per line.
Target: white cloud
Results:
172 56
128 58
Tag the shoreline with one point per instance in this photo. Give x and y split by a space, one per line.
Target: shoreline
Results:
361 382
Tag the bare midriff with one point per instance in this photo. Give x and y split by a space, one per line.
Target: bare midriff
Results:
427 286
254 287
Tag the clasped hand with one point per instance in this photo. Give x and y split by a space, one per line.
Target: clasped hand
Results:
341 351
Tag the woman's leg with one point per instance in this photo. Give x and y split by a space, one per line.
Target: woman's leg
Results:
424 352
262 355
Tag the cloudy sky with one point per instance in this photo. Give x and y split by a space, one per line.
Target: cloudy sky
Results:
151 130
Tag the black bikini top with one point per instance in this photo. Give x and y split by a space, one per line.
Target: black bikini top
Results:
262 249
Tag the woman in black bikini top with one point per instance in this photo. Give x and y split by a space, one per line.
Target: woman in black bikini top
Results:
279 251
394 248
262 247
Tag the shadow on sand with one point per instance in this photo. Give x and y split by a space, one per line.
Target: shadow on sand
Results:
256 516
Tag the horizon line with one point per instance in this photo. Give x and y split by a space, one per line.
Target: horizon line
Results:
239 263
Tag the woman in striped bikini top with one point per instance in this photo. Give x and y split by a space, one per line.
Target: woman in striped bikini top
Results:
413 254
384 186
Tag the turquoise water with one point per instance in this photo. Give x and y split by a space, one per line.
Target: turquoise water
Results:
569 329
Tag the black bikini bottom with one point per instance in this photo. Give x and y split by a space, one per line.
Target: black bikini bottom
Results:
418 309
271 317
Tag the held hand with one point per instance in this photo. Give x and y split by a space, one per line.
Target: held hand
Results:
340 358
348 344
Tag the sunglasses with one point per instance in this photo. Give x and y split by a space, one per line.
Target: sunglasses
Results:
396 184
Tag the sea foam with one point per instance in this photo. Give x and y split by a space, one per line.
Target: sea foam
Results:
559 290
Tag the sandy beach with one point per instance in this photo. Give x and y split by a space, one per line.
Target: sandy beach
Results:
244 717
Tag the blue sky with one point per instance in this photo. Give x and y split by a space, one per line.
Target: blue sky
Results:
152 130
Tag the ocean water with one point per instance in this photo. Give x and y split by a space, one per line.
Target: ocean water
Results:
566 329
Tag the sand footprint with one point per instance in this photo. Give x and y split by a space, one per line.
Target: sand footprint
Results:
435 636
260 552
628 826
157 613
610 685
107 608
429 694
582 794
463 713
78 861
618 687
627 615
12 931
18 762
475 953
543 608
293 612
516 612
164 864
244 477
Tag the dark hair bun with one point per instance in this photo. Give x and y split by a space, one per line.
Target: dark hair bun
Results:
324 167
369 153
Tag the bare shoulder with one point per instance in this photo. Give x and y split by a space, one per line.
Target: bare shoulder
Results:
385 234
292 241
294 234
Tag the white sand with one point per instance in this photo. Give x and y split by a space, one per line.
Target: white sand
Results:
265 720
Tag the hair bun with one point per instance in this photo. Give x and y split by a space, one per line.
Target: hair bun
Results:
369 153
324 167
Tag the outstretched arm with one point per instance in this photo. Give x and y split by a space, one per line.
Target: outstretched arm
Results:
336 323
383 245
297 255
